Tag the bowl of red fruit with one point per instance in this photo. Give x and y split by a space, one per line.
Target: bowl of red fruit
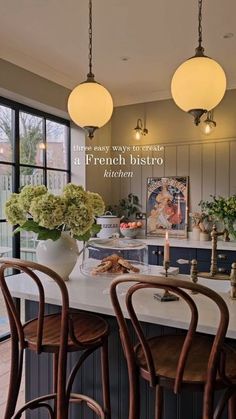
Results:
130 229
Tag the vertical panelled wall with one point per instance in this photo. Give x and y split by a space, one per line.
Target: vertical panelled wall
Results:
210 165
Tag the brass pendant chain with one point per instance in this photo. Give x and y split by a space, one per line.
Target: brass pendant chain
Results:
200 23
90 56
199 50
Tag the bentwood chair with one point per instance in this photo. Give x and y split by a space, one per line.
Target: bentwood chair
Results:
193 361
57 334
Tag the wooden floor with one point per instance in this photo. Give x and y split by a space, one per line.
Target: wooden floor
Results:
5 359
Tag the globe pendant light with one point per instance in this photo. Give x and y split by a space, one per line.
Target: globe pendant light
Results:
198 84
90 105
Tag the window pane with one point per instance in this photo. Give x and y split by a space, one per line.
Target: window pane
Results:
6 134
57 145
31 139
31 176
5 187
56 181
28 245
5 251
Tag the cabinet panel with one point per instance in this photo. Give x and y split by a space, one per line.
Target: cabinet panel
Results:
153 257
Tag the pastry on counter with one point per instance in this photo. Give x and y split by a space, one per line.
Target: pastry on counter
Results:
114 264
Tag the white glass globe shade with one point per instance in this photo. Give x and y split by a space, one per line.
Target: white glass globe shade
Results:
198 83
90 105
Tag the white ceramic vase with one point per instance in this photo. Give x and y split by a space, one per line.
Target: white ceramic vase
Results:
196 233
60 255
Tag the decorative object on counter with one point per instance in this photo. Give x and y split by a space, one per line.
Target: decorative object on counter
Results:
90 105
204 236
214 272
200 75
140 130
208 126
167 296
194 273
127 207
222 209
60 255
110 225
58 222
113 256
167 208
233 282
167 248
130 229
200 229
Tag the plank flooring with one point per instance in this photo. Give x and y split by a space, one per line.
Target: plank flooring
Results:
5 359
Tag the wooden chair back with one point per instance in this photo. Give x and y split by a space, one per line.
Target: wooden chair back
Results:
180 288
32 269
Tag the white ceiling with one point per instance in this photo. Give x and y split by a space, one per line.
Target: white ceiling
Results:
49 38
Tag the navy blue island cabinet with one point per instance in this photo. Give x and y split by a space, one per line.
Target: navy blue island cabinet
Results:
225 258
184 406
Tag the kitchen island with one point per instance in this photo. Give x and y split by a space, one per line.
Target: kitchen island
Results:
92 294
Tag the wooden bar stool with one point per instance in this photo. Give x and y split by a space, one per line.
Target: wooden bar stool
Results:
58 334
193 361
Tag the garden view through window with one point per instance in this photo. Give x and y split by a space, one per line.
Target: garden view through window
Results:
34 150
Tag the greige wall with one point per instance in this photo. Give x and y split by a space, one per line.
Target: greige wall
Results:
209 161
29 85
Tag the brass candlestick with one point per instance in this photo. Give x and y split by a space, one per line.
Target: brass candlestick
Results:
214 273
167 296
194 273
233 282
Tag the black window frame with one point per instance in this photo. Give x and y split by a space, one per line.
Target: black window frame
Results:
16 108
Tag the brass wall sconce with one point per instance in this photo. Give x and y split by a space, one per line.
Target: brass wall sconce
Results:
140 129
209 124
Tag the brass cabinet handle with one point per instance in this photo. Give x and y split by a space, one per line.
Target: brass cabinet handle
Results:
221 256
157 252
222 270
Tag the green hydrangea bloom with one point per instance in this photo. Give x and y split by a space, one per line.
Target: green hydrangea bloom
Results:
28 193
75 194
96 203
48 210
14 212
79 219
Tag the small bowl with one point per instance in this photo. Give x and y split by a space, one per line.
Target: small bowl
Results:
129 232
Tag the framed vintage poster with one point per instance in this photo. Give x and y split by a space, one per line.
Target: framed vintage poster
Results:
167 206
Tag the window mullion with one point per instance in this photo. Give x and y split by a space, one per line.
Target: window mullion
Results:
16 174
45 152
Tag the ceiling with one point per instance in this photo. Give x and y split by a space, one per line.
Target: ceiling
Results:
49 38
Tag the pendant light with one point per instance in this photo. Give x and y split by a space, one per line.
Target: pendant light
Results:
198 84
90 105
209 124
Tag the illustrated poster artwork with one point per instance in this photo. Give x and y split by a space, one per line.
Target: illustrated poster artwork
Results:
167 206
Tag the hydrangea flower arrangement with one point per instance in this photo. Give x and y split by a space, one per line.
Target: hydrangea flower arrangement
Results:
35 209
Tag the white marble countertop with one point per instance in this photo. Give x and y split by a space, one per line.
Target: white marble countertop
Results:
195 244
92 294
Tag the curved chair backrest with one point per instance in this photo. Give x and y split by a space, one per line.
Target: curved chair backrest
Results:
33 270
178 287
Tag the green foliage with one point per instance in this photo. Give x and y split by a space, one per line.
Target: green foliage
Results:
43 233
48 215
222 209
127 207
